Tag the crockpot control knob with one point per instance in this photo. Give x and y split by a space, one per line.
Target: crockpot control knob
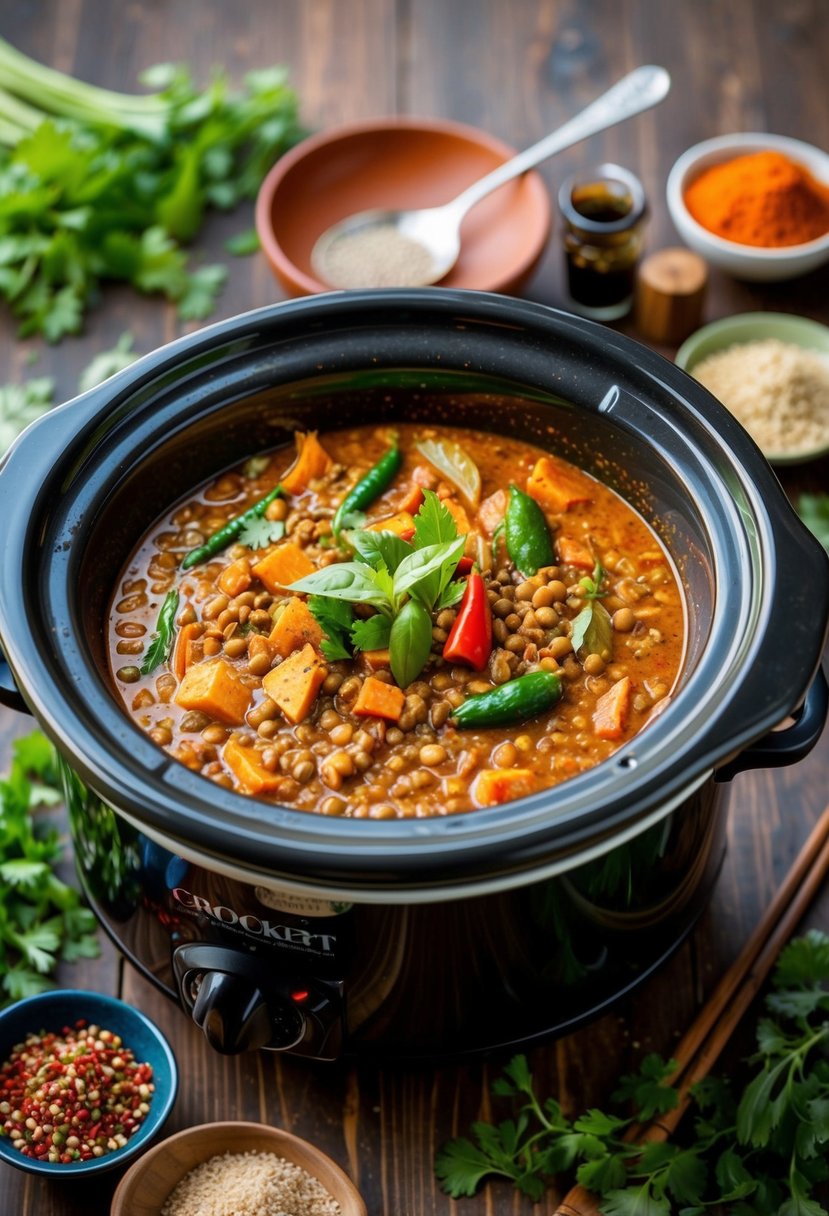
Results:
232 1012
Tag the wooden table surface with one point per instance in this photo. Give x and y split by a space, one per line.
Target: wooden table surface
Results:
517 70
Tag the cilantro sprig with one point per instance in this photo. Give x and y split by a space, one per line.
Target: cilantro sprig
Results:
42 919
98 185
758 1146
404 583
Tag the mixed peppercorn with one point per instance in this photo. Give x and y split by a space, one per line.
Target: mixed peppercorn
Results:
74 1095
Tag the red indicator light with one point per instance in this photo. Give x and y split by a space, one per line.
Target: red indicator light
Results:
300 995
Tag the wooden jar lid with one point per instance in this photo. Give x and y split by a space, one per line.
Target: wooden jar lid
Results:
670 293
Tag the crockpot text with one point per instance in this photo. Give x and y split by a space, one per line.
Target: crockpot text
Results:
288 934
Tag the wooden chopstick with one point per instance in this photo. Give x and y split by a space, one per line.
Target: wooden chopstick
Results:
708 1034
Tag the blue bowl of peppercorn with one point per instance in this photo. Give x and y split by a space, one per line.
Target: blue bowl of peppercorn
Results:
86 1083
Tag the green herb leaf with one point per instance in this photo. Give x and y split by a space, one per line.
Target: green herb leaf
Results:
20 404
260 532
456 465
108 363
372 634
426 572
433 523
352 581
647 1089
379 547
335 618
410 642
243 243
813 509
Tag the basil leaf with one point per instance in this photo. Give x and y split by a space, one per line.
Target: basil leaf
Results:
410 642
456 465
451 594
433 523
423 572
352 581
579 625
372 634
376 547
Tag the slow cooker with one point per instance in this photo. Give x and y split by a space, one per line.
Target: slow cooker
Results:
279 929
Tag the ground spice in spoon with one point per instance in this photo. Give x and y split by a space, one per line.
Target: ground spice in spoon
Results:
377 256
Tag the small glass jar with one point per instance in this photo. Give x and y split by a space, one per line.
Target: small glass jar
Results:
603 213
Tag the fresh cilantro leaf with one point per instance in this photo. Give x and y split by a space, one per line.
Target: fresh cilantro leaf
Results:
451 595
243 243
605 1173
371 634
461 1167
20 404
108 363
804 961
647 1089
433 523
635 1201
258 533
335 618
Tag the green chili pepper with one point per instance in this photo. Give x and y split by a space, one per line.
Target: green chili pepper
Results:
370 487
165 629
227 534
515 701
526 532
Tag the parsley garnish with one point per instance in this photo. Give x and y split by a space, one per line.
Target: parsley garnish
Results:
813 509
98 185
758 1146
258 533
42 919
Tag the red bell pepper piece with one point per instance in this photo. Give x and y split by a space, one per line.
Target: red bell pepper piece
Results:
470 639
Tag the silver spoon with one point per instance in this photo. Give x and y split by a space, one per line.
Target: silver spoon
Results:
426 242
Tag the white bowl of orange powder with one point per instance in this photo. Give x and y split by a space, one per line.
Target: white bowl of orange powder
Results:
755 205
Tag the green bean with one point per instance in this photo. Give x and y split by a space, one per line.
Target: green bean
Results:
515 701
368 488
228 533
165 630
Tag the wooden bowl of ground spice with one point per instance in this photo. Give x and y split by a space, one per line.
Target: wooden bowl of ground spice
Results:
250 1169
772 371
754 205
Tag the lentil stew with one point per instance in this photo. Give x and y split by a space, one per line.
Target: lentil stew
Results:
400 622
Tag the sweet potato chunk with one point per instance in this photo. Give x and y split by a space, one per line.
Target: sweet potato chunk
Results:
235 578
412 500
283 566
246 765
294 684
312 461
375 660
612 708
216 689
554 488
296 627
379 700
495 785
574 553
401 524
458 514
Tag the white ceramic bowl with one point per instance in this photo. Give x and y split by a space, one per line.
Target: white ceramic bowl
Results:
745 261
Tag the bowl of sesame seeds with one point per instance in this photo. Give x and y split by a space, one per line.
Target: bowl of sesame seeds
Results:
86 1082
251 1169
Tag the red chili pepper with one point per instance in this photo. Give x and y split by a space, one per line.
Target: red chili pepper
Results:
464 565
470 639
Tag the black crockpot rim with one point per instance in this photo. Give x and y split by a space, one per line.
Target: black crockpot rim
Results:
442 851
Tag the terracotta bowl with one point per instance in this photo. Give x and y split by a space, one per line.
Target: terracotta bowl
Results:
148 1184
402 162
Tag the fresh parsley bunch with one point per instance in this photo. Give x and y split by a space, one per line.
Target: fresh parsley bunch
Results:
42 919
404 583
98 185
756 1150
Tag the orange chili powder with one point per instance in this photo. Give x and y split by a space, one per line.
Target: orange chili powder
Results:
761 199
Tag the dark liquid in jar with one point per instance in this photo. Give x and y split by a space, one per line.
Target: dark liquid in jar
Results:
608 279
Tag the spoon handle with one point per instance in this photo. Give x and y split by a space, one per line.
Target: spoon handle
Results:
638 91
